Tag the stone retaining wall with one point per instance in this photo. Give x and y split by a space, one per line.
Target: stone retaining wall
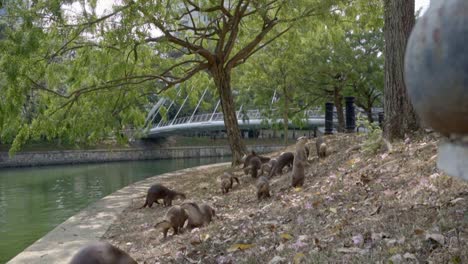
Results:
25 159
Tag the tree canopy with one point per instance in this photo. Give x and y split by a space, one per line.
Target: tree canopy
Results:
68 72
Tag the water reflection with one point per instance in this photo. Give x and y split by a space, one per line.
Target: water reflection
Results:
35 200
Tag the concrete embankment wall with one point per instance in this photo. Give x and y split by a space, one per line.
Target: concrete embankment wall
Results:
59 245
25 159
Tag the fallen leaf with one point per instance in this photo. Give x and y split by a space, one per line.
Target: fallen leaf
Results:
395 259
436 237
298 189
236 247
286 236
418 231
456 260
358 240
454 201
410 256
298 258
298 245
280 247
316 203
333 210
195 240
376 210
349 250
393 250
277 260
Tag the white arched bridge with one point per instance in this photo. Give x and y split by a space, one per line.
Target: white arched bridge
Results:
214 121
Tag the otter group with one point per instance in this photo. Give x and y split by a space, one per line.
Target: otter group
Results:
270 167
193 215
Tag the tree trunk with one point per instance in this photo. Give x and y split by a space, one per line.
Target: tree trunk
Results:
400 117
370 118
338 101
285 115
222 80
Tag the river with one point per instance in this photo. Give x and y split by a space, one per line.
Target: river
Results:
35 200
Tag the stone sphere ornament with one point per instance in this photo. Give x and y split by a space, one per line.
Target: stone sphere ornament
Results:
436 76
436 67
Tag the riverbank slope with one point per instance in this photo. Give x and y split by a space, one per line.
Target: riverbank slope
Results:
353 208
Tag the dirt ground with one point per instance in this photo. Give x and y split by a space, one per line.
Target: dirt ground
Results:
354 208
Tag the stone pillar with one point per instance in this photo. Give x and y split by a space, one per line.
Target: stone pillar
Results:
381 119
328 118
350 114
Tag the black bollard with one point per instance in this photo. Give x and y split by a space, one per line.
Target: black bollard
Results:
328 118
350 114
381 119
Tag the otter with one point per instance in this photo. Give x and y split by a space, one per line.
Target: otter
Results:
249 157
267 167
307 150
194 213
321 147
101 253
227 180
323 150
286 158
208 213
263 188
158 191
175 218
300 159
254 166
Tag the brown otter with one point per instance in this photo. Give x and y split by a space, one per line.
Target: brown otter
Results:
300 160
175 218
101 253
263 188
227 180
208 213
266 168
323 150
321 147
308 147
286 158
194 213
254 166
249 157
158 191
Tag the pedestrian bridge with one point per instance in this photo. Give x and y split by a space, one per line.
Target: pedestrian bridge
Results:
214 121
251 119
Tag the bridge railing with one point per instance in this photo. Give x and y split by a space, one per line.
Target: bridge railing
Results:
246 115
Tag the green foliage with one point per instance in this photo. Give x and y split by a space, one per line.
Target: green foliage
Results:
373 142
80 77
302 67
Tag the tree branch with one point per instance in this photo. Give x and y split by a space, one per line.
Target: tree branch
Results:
251 46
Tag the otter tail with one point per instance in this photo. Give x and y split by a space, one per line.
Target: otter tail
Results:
237 180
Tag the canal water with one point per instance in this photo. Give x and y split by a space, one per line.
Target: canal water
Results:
35 200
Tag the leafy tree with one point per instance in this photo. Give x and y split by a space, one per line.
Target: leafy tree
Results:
87 68
275 83
323 60
346 57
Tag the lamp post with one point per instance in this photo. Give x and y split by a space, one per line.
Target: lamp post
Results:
436 76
